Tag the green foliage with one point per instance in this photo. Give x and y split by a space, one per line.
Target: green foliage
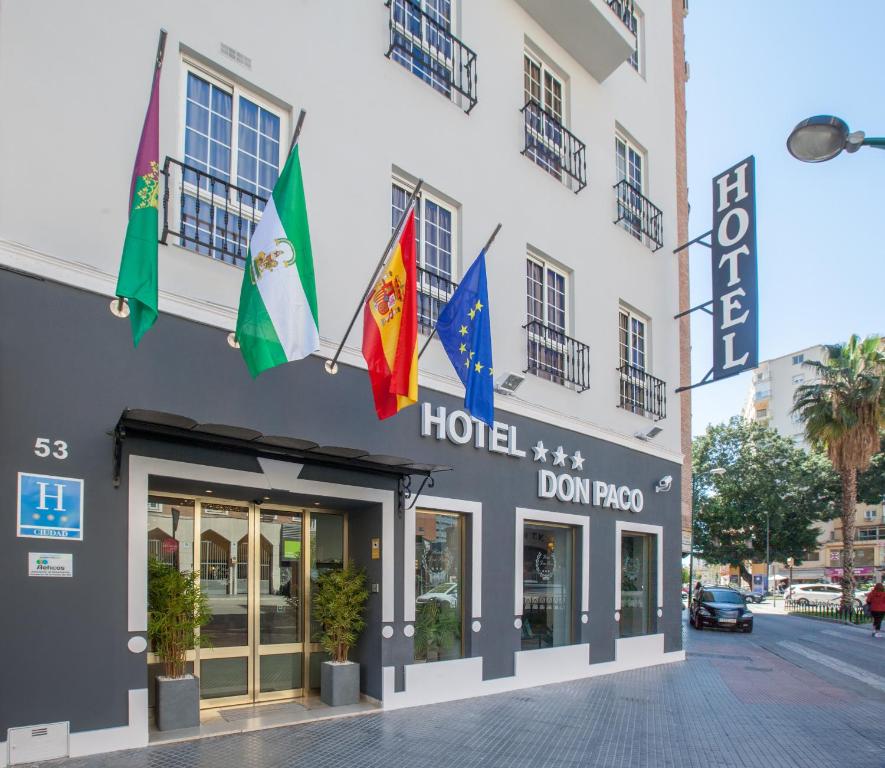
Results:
844 413
844 410
437 626
765 473
684 575
176 610
338 607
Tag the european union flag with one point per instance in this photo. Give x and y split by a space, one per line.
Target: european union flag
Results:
464 329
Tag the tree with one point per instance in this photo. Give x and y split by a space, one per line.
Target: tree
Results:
843 413
770 485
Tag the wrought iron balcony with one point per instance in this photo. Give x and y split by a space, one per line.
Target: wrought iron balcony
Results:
642 393
554 148
426 47
434 291
207 213
625 11
638 215
552 355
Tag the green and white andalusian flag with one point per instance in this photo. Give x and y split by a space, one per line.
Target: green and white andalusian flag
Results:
277 320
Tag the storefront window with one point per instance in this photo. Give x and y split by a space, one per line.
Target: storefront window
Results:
547 585
638 583
438 585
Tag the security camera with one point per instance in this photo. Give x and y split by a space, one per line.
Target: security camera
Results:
664 484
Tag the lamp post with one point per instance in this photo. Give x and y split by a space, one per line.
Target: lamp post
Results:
822 137
715 471
790 562
767 551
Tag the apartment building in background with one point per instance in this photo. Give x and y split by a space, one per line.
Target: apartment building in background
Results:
544 534
770 402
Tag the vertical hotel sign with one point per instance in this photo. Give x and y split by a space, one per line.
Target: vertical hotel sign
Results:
735 283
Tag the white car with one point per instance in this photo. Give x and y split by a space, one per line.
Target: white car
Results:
447 592
820 593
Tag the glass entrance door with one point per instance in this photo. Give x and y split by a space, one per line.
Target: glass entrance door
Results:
258 568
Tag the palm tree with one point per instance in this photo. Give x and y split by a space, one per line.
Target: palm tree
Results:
843 413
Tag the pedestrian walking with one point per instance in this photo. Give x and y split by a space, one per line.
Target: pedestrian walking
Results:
876 601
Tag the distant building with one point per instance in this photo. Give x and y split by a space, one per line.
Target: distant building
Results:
770 401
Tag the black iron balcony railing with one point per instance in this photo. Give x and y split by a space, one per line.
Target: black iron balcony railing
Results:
426 47
554 147
207 214
556 357
434 291
625 11
642 393
638 215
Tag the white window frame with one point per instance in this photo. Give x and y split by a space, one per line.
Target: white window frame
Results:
632 314
178 187
428 195
799 359
637 27
869 514
621 137
798 379
554 144
463 507
627 526
545 340
581 522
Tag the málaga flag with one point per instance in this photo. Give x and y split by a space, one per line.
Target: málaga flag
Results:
390 329
137 281
277 320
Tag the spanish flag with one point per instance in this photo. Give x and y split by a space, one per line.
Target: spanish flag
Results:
390 329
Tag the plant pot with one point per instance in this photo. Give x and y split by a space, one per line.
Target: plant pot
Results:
340 683
178 702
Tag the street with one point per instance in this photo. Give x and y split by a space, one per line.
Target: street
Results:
796 692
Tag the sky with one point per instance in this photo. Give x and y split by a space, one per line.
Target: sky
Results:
758 67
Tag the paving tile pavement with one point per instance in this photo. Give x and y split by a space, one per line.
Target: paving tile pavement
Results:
732 704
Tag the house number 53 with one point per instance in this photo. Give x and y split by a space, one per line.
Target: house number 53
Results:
44 447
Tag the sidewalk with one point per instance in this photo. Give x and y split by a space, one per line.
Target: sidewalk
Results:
733 703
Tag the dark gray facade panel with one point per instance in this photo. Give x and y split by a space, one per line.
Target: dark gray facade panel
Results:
363 526
69 370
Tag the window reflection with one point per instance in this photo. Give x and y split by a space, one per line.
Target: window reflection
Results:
438 585
547 569
638 583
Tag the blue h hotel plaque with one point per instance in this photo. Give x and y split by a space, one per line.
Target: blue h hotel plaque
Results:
50 507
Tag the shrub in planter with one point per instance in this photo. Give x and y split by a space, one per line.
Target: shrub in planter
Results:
338 607
176 610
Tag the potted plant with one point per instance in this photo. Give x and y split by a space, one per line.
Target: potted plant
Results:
437 626
176 610
338 608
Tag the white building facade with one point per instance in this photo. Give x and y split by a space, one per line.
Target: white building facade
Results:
560 121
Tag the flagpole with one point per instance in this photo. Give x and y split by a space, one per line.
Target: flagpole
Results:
332 365
120 307
297 132
484 250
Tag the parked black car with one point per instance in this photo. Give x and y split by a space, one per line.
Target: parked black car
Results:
720 607
752 597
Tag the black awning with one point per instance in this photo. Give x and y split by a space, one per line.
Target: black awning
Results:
172 427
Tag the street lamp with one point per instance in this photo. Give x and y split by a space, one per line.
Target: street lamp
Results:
790 562
822 137
715 471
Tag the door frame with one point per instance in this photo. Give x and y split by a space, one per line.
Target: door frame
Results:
252 649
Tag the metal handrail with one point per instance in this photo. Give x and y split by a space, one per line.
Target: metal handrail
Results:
641 217
447 67
625 11
552 146
830 611
642 393
553 355
208 214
